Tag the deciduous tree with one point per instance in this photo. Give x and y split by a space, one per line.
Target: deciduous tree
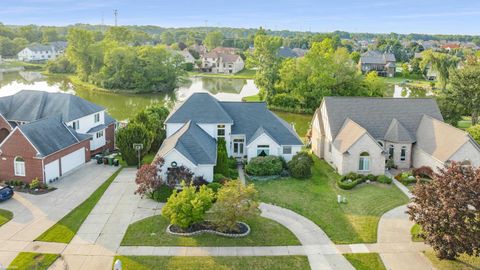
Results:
129 135
465 90
148 178
213 40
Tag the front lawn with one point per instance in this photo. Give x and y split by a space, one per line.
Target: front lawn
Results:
217 263
152 232
33 261
316 199
5 216
365 261
464 262
64 230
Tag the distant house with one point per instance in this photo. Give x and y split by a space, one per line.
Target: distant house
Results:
41 53
382 63
226 50
355 134
451 46
222 60
187 56
46 135
200 49
249 129
287 52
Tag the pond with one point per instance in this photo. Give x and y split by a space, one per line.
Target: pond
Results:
400 91
122 106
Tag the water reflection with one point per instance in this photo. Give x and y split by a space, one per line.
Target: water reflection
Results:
121 105
399 91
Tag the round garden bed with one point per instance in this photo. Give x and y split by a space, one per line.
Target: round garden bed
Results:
207 227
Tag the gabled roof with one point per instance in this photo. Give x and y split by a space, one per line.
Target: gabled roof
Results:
193 143
259 133
396 132
50 135
286 52
40 47
30 105
376 57
200 108
440 139
350 133
249 117
376 114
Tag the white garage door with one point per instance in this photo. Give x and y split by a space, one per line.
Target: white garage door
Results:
73 160
52 170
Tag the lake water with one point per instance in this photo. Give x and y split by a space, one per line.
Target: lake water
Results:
122 106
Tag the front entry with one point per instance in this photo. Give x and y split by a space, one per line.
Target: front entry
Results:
238 147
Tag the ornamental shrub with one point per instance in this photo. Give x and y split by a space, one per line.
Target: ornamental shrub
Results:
384 179
214 186
301 165
264 166
188 206
34 184
222 158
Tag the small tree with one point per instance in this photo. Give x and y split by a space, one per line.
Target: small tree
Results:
148 178
301 165
222 158
235 202
153 118
178 174
448 210
127 136
188 206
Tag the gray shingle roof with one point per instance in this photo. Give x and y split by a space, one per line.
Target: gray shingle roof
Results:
286 52
377 114
396 132
248 117
192 142
200 108
50 135
376 57
30 105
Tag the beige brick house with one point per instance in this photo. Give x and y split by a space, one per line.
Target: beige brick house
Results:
355 134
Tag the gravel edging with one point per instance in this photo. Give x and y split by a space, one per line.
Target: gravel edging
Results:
230 235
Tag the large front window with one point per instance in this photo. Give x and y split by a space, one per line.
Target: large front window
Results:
263 150
19 165
364 162
220 131
287 150
391 151
403 153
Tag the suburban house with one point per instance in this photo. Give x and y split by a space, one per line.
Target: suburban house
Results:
40 53
287 52
382 63
222 61
357 134
46 135
249 130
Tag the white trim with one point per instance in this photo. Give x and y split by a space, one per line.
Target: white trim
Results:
15 163
263 134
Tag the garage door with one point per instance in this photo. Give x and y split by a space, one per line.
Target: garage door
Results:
73 160
52 170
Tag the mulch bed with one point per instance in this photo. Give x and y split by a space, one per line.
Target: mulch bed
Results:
38 191
207 227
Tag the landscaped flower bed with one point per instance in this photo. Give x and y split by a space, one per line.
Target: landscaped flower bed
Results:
207 227
35 187
351 180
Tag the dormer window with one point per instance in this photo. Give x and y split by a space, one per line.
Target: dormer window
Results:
76 124
220 131
96 117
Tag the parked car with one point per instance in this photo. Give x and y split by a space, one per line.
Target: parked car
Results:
6 192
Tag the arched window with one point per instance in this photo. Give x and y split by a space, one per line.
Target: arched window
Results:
380 143
364 162
19 166
403 153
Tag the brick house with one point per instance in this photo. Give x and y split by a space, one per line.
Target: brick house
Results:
46 135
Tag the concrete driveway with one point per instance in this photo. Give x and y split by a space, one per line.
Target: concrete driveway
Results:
34 214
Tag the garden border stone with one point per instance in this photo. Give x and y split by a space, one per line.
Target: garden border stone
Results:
211 232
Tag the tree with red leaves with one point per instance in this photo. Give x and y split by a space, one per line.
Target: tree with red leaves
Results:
148 178
448 210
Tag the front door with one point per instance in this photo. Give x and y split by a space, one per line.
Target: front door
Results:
238 145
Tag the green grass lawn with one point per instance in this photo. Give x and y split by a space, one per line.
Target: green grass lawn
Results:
465 123
301 122
147 159
265 232
464 262
316 198
365 261
217 263
244 74
65 229
33 261
5 216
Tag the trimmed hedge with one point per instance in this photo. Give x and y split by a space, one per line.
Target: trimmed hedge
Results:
263 166
351 180
301 165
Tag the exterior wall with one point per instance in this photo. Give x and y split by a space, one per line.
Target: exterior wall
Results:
407 163
172 128
29 55
421 158
295 150
467 152
351 161
202 170
264 139
16 145
316 137
58 155
87 122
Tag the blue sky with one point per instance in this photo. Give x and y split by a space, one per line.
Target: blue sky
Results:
380 16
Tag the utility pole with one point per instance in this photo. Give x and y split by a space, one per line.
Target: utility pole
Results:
115 14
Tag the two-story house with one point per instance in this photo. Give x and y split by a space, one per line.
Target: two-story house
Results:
46 135
222 61
249 129
41 53
382 63
359 134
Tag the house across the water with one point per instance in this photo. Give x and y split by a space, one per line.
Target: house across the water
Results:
382 63
356 134
46 135
248 128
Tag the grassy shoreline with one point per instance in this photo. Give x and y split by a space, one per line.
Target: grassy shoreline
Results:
244 74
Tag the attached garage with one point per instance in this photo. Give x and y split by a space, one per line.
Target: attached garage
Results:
73 160
52 170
